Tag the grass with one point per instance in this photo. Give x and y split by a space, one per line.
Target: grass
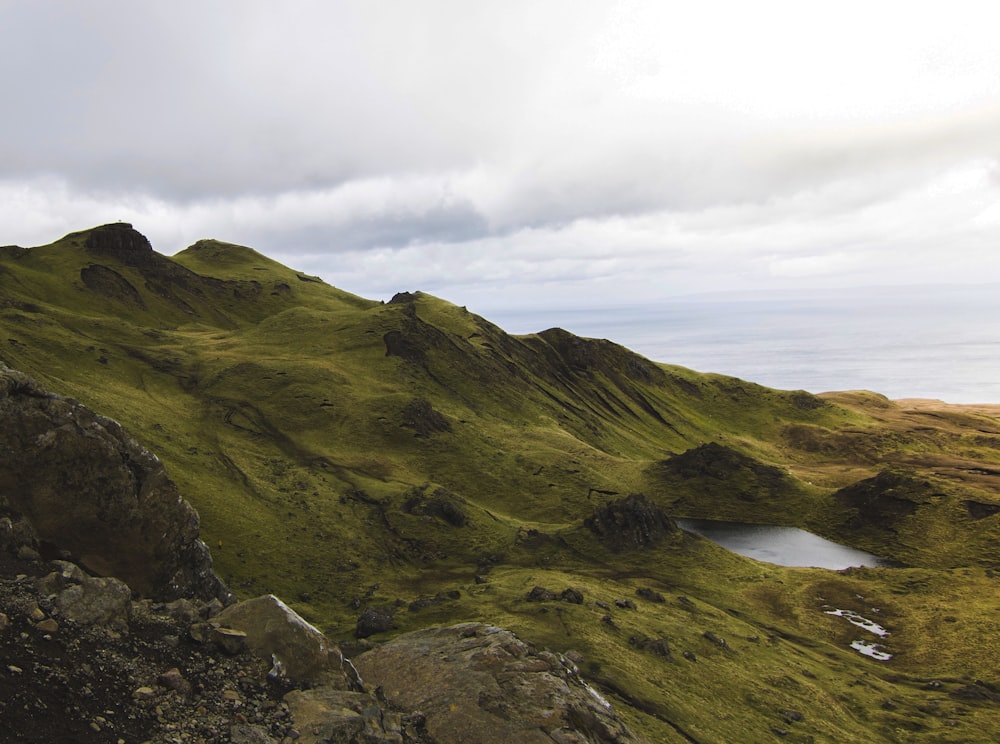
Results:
302 421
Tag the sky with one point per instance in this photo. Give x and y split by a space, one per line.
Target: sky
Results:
511 154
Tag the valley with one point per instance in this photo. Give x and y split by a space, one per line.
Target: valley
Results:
410 460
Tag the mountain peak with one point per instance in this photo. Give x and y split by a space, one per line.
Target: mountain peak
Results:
121 241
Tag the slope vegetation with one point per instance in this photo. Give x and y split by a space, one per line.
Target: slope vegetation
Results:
411 463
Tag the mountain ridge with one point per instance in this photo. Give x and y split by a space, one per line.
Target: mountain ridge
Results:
347 453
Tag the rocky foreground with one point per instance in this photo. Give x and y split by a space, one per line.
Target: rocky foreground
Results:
113 627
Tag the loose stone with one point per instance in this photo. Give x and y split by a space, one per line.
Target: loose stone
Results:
48 625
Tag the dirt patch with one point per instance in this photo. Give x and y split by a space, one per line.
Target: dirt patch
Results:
64 682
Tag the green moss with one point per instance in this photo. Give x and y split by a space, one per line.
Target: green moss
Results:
330 444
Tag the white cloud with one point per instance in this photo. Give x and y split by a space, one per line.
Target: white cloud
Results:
517 152
819 265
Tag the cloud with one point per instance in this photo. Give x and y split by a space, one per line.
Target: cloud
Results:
823 264
517 152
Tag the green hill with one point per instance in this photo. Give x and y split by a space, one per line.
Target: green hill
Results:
410 455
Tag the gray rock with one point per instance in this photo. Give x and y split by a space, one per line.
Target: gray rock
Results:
48 625
571 595
650 595
246 733
86 599
479 683
325 715
183 610
172 679
374 620
540 594
66 574
90 490
230 640
277 633
710 636
96 601
200 632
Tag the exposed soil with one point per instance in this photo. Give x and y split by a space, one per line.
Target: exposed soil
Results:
92 684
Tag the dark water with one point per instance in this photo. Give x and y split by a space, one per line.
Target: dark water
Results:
786 546
902 342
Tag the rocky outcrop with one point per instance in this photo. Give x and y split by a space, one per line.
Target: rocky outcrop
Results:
121 241
882 502
297 650
74 671
324 715
477 683
589 356
420 416
631 523
131 639
91 493
978 510
441 504
721 471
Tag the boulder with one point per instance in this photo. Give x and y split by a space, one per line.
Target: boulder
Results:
540 594
475 682
90 491
374 620
325 715
86 599
571 595
298 650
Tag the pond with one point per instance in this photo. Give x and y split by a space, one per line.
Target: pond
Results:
785 546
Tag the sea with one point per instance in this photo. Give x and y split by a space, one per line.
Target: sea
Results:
902 342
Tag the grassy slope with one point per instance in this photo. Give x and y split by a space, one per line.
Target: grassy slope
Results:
301 420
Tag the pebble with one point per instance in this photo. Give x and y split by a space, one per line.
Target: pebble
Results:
14 669
48 625
172 679
144 693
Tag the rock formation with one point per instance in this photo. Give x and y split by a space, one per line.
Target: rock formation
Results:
91 493
631 523
477 683
297 650
145 651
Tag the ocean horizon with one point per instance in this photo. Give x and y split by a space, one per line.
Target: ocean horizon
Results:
902 342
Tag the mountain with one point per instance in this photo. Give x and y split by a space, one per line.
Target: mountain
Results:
391 466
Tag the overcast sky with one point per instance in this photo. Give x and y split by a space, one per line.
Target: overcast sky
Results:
523 154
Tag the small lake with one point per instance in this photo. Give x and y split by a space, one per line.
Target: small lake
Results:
785 546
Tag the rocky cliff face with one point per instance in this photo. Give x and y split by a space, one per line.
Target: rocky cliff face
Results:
92 494
145 651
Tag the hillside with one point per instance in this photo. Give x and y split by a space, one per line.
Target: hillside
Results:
411 463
